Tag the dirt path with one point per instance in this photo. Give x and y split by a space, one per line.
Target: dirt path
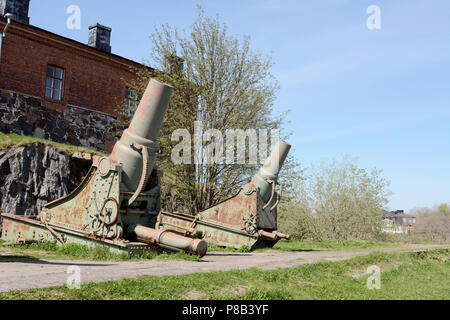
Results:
21 274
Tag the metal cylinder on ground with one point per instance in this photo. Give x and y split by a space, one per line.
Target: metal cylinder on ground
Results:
168 240
274 235
268 173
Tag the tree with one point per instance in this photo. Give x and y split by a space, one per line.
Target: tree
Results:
443 208
435 223
337 201
223 85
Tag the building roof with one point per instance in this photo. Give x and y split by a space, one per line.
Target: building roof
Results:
71 43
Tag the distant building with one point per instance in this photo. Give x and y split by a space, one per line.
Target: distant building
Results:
59 89
398 222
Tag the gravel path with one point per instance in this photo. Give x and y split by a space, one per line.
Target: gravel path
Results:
21 274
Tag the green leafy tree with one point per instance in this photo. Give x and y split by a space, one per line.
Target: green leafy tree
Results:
435 223
222 84
337 201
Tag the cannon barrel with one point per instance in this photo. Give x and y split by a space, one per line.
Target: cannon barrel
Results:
268 173
80 216
168 240
136 150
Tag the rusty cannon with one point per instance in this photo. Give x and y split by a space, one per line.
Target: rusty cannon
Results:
118 202
248 219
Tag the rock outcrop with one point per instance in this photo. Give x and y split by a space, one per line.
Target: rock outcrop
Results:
32 175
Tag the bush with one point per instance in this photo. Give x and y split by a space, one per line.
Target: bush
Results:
434 224
337 201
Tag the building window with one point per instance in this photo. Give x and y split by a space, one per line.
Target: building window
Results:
54 83
131 103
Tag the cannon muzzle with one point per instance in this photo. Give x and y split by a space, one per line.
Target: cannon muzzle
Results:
268 173
137 148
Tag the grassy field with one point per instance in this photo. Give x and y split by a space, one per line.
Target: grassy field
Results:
294 245
333 245
404 276
8 141
51 250
79 252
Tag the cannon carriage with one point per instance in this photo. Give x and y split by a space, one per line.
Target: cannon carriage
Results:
118 204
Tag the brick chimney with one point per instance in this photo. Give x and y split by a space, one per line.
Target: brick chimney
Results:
19 8
100 37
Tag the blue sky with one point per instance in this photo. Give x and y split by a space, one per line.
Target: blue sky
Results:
382 96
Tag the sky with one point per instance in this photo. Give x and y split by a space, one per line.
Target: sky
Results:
379 95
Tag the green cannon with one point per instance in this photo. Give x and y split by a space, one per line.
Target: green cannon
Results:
118 202
267 176
248 219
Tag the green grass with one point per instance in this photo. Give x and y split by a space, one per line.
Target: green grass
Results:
51 250
295 245
8 141
404 276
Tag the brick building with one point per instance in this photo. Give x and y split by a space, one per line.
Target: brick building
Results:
59 89
399 222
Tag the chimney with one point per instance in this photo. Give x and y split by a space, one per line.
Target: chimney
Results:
19 8
100 37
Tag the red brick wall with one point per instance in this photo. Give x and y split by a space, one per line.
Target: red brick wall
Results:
92 79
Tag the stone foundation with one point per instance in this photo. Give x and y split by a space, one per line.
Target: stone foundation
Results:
25 115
